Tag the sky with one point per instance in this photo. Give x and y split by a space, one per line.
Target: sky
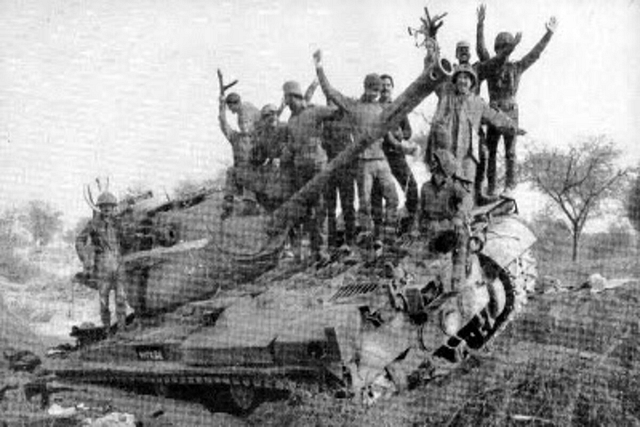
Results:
128 89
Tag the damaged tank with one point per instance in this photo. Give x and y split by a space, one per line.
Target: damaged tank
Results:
213 306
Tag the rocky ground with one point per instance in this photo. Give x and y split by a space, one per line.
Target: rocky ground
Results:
571 358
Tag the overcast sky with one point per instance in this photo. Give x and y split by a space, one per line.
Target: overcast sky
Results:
129 89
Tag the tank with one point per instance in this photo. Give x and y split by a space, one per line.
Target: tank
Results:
215 307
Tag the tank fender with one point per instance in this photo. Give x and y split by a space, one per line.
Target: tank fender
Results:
506 239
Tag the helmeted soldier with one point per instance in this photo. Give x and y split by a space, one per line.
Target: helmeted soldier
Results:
445 204
503 85
103 236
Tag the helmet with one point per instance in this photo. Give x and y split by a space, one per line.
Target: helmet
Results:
268 109
292 88
372 81
502 39
106 198
463 43
446 162
465 68
233 98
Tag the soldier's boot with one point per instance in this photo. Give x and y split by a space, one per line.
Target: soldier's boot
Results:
105 318
482 199
510 173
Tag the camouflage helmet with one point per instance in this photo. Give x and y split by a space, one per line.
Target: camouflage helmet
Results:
465 68
445 161
106 198
502 39
268 109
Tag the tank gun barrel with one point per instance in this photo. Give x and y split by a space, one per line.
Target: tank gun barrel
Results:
436 71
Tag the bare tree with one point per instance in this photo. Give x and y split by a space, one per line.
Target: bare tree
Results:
633 203
577 179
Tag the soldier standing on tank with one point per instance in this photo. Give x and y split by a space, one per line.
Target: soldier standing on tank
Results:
503 87
396 151
304 151
445 205
459 115
103 235
241 145
363 114
248 114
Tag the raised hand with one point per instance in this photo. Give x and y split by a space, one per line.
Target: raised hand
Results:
552 25
317 57
481 12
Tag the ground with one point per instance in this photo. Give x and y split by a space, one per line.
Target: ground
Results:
570 358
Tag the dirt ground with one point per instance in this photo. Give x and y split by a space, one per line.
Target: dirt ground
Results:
571 358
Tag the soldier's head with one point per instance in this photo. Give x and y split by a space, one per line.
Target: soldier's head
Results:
372 87
234 102
463 52
293 97
464 78
107 203
387 88
504 41
269 115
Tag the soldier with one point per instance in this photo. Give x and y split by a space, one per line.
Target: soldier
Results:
373 165
459 114
503 87
241 145
445 204
248 114
305 153
103 235
396 150
269 138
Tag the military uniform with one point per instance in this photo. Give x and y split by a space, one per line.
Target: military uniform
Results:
503 85
103 236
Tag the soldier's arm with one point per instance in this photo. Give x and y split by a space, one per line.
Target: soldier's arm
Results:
82 241
332 94
226 129
535 53
499 119
311 90
481 47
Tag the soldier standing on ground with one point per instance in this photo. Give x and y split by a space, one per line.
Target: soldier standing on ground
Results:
103 235
503 87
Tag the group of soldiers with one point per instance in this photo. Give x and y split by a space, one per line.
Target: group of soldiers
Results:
459 152
315 134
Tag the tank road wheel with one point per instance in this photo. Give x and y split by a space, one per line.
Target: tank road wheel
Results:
243 397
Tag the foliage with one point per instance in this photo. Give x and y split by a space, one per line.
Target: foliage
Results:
633 203
42 221
69 235
577 180
13 266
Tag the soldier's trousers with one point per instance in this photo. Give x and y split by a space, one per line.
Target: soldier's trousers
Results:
315 210
403 174
493 137
370 171
343 182
110 276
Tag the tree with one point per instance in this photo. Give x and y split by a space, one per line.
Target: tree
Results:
633 203
577 179
42 221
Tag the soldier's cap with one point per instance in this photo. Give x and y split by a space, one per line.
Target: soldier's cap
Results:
292 88
503 38
232 98
463 43
372 81
268 109
465 68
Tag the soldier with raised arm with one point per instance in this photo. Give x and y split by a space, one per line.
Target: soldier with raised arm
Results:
363 115
503 87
